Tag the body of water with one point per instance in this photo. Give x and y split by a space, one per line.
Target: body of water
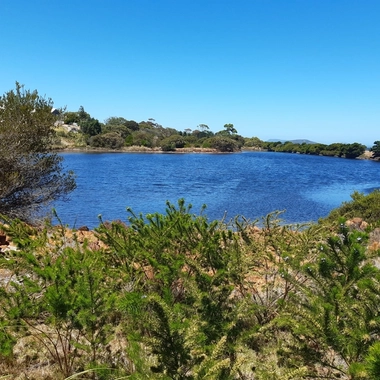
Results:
251 184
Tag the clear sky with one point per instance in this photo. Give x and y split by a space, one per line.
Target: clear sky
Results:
284 69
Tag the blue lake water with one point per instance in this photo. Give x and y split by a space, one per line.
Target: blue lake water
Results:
251 184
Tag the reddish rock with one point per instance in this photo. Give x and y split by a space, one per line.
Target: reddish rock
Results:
3 240
357 224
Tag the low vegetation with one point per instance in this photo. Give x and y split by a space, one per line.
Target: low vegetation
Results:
362 206
337 149
118 133
175 296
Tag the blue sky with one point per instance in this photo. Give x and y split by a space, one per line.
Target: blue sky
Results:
283 69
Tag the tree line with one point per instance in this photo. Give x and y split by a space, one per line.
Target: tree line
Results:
337 149
117 132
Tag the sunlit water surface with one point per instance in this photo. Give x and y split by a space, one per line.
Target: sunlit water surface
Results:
251 184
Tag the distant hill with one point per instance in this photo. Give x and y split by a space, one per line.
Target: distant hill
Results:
298 141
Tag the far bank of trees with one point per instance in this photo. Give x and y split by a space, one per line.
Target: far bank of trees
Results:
337 149
118 132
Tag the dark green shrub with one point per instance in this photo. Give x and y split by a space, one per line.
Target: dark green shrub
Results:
172 142
333 315
143 138
375 149
91 127
65 287
221 144
111 140
120 129
361 206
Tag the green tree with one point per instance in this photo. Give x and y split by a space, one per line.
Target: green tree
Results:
354 150
376 149
203 127
253 142
77 117
172 142
71 117
222 144
334 314
111 140
143 137
31 175
230 129
120 129
91 126
201 134
118 125
83 115
115 120
132 125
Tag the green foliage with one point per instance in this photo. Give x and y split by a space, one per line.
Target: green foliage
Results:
111 140
362 206
77 117
91 126
222 144
230 129
132 125
336 149
175 296
115 121
120 129
172 142
143 138
71 117
334 315
7 340
31 175
186 268
372 361
376 149
120 125
354 150
60 284
88 125
253 142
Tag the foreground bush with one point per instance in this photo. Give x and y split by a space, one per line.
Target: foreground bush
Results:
362 206
174 296
32 175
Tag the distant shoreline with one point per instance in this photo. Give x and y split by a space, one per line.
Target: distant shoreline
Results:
137 149
367 155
